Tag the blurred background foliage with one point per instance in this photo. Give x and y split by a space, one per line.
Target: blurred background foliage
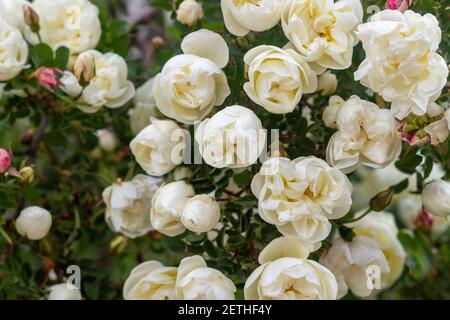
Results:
60 143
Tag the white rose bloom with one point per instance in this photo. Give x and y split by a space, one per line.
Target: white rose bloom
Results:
286 247
232 138
381 227
74 24
323 30
277 78
436 198
34 223
168 204
144 107
289 278
437 130
159 148
300 196
64 291
13 51
128 205
350 262
401 61
196 281
189 12
243 16
201 214
110 86
331 111
70 84
327 84
150 281
366 134
191 84
11 11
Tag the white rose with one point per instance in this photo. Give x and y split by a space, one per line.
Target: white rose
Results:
110 86
351 263
191 84
331 111
107 140
13 51
436 198
232 138
144 107
34 223
401 61
11 11
201 214
159 148
64 291
150 281
300 196
438 130
168 204
381 227
366 134
291 279
277 78
189 12
327 84
243 16
195 281
70 84
128 205
286 247
323 31
74 24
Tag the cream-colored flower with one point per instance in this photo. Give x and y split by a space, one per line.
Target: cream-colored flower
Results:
107 140
447 117
13 51
300 196
64 291
150 280
196 281
191 84
366 134
201 214
168 204
232 138
74 24
437 130
277 78
327 84
144 107
11 11
243 16
189 12
401 61
323 30
289 278
286 247
70 84
110 86
381 227
34 223
436 198
352 263
128 205
159 148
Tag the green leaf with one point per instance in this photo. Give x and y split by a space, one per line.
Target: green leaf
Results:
174 244
41 55
61 57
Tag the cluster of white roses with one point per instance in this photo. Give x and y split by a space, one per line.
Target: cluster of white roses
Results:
93 79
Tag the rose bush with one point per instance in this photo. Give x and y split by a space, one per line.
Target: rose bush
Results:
233 149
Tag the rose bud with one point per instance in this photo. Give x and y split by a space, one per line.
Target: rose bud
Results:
157 42
400 5
26 174
327 84
84 69
31 18
34 223
48 77
201 214
5 160
436 198
424 221
189 12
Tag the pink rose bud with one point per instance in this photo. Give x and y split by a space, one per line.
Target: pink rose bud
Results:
5 160
400 5
424 221
48 77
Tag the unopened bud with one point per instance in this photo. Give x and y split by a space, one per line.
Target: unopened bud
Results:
84 68
400 5
382 200
5 160
157 42
424 221
26 174
48 77
31 18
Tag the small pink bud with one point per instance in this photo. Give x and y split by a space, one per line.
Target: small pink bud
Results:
424 221
5 160
400 5
48 77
